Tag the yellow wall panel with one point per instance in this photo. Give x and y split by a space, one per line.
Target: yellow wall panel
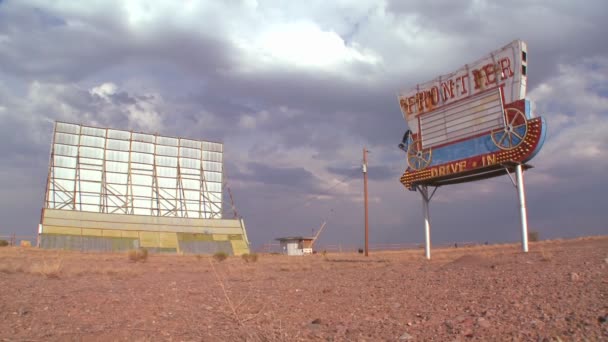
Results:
130 234
220 237
111 233
91 232
149 239
239 247
168 240
61 230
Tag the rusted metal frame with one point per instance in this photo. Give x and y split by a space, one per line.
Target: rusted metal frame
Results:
200 179
65 192
77 173
65 202
155 177
180 185
170 210
204 191
117 196
50 173
217 205
225 184
129 194
103 200
235 213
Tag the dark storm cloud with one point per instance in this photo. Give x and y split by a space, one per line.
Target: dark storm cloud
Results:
283 176
578 28
124 98
326 102
72 52
201 83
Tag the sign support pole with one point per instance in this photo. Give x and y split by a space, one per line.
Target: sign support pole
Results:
365 201
522 205
424 192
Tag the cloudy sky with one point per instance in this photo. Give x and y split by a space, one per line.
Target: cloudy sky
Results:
295 90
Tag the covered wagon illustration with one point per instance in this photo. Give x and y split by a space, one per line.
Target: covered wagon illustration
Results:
471 124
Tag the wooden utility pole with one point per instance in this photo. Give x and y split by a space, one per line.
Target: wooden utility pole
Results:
365 201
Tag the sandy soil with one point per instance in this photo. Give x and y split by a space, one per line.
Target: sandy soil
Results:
558 291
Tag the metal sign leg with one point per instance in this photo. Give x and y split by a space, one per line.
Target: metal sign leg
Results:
522 204
424 191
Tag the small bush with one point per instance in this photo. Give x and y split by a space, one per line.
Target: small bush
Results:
50 269
360 250
533 236
140 254
3 243
220 256
545 256
250 257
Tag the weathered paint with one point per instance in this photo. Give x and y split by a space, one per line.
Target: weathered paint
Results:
227 235
86 243
239 247
500 68
460 121
91 232
149 239
167 239
111 233
220 237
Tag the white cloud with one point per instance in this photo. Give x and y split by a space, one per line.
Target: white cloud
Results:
575 106
103 105
305 44
104 90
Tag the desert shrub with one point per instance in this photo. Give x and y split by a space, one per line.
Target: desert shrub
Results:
10 267
360 250
545 256
220 256
533 236
51 269
143 254
139 254
3 243
132 254
250 257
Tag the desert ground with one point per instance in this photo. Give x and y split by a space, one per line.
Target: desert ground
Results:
556 292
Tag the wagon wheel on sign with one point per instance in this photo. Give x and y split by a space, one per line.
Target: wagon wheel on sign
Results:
417 157
514 132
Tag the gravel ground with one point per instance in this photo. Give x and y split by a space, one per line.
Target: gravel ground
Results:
557 292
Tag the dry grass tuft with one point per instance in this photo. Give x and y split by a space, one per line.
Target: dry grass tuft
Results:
7 267
50 269
250 257
140 254
545 256
220 256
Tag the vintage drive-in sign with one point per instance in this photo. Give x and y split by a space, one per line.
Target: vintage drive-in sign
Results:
472 123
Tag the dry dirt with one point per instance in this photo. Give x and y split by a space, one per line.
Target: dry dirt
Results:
557 292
